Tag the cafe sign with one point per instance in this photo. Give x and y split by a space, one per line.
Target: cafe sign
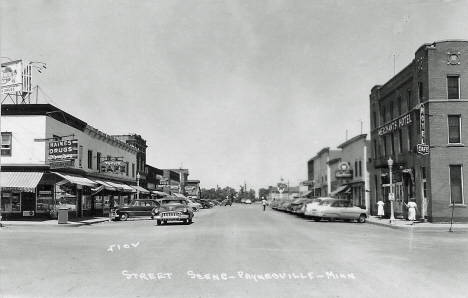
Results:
113 166
63 150
422 148
344 171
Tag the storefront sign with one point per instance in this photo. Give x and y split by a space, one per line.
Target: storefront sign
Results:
344 174
307 183
28 213
67 149
113 166
422 149
394 125
62 164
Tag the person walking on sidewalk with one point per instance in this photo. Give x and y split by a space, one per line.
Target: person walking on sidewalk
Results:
380 210
264 202
411 210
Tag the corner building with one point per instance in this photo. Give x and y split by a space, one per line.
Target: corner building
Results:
419 119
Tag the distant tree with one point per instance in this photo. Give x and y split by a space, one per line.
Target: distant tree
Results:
263 192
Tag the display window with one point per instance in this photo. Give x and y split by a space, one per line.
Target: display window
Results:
65 197
15 202
86 202
6 202
44 198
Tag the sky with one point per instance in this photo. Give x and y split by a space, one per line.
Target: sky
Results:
238 92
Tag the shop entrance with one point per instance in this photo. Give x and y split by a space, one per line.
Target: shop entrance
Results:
28 202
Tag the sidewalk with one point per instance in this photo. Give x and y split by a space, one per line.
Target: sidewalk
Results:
54 222
403 224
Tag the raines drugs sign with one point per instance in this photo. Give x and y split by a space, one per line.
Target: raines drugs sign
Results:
59 150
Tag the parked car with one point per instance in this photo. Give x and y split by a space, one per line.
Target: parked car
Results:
298 206
226 202
140 207
205 203
173 209
248 201
333 209
195 206
310 206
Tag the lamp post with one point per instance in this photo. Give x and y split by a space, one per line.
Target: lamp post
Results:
138 184
390 195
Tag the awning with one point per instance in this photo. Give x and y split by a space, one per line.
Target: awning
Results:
75 180
141 189
121 187
159 193
340 190
20 181
306 193
104 185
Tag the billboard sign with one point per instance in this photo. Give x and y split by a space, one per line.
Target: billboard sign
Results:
12 77
60 150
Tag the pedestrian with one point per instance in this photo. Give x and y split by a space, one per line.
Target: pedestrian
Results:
411 210
264 202
380 210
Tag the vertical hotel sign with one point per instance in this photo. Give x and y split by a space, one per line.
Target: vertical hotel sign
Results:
422 148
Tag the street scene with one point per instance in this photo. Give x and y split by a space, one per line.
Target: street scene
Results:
232 251
208 148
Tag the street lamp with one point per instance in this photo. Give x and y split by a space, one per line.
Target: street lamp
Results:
138 184
390 195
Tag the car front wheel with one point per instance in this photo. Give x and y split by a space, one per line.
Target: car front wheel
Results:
123 216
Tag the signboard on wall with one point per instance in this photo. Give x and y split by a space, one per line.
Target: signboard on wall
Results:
343 171
63 150
62 164
113 166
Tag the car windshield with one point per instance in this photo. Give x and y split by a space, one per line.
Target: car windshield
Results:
173 202
325 203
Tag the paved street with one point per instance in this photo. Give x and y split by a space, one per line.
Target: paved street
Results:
237 251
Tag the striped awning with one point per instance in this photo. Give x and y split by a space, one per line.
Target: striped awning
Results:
140 189
159 193
121 187
20 181
75 180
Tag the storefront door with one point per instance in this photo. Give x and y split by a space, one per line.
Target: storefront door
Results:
28 203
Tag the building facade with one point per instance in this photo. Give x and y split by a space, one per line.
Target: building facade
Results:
318 171
418 120
50 160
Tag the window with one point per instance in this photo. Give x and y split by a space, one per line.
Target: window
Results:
424 181
383 115
98 161
376 152
360 168
399 105
420 92
453 87
456 187
391 111
392 136
454 129
126 168
408 100
410 136
384 139
6 143
133 170
375 119
90 159
109 157
356 172
400 141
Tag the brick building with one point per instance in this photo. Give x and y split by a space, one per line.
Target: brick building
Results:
418 119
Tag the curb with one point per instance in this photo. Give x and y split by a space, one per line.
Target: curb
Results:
443 228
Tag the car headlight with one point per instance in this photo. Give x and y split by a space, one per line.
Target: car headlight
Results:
185 210
155 210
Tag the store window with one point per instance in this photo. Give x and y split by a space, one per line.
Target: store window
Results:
454 125
6 143
453 87
44 198
456 186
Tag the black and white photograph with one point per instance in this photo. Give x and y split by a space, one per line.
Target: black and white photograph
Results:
234 148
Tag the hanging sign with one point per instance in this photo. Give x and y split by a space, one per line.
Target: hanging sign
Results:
422 148
60 150
343 171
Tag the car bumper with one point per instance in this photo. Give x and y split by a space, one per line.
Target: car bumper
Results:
170 217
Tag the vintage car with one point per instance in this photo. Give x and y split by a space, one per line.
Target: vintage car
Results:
140 207
173 209
195 205
333 209
312 205
226 202
205 203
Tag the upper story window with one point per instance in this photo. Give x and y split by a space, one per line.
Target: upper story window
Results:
6 143
420 92
454 124
453 87
391 111
383 115
399 105
90 159
98 160
408 100
374 119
